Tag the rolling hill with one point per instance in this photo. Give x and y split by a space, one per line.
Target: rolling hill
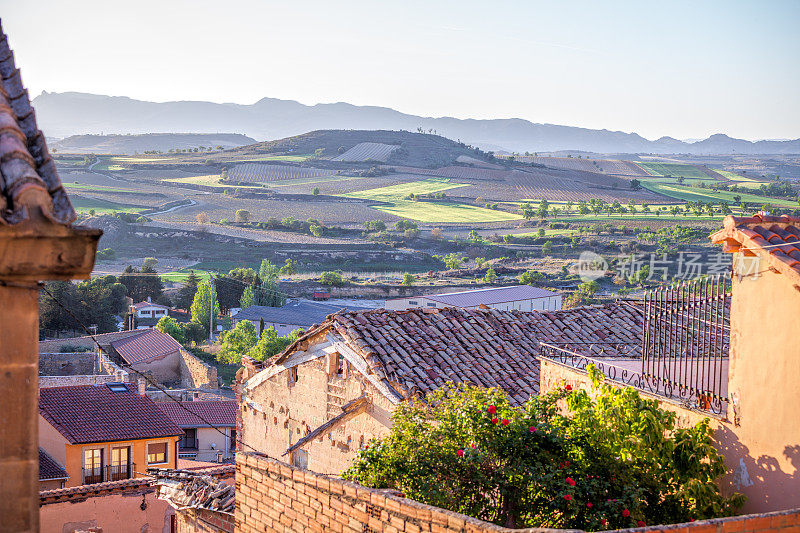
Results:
65 114
129 144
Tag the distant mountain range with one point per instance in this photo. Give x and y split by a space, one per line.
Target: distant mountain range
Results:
65 114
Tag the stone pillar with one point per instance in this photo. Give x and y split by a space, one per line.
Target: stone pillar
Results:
19 410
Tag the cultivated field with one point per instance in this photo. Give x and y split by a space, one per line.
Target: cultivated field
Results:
691 194
266 173
367 152
675 170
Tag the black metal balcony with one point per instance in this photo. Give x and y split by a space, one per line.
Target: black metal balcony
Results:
100 474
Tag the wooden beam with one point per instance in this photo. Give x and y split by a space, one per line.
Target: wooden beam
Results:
349 410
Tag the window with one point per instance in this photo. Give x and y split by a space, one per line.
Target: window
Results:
300 459
189 439
144 313
117 387
120 467
293 375
340 365
233 440
413 302
93 466
431 305
157 452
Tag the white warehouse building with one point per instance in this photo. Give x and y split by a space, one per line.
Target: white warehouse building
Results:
518 297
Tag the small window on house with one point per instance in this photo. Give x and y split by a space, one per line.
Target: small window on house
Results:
293 375
431 305
233 439
413 302
340 365
189 439
117 387
301 459
157 452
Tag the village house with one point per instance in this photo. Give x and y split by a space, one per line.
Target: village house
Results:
336 387
109 432
144 351
517 297
146 314
209 428
78 368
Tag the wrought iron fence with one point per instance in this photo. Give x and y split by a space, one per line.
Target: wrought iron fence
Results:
99 474
685 341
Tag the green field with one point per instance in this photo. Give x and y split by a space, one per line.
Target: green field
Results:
292 158
179 276
674 170
311 181
690 194
83 204
394 198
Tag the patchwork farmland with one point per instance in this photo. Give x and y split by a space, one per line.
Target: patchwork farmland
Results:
363 152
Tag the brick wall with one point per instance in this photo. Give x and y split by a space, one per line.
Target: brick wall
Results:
202 521
273 496
196 373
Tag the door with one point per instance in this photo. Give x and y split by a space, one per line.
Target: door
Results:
120 463
93 466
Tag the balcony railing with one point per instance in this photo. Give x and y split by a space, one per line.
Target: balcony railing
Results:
628 371
100 474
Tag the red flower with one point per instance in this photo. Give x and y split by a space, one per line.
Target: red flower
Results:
603 521
640 523
505 421
566 464
568 387
626 513
589 505
460 453
568 497
570 482
472 446
492 409
494 421
533 428
691 519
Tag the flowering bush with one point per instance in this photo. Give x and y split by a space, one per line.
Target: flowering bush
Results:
609 460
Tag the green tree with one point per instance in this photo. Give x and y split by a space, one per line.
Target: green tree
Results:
543 208
408 279
237 342
635 184
547 247
185 295
331 279
248 298
142 284
527 210
453 261
289 267
97 301
375 226
531 277
172 327
607 459
270 343
490 276
242 215
315 191
201 309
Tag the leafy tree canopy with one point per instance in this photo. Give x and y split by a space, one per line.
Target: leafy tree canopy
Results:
270 343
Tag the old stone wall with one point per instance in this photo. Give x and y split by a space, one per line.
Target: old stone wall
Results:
195 373
273 496
46 382
291 404
68 364
202 521
55 345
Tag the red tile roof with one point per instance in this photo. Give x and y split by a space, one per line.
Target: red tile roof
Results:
93 413
419 350
29 174
207 413
149 344
49 467
148 304
775 239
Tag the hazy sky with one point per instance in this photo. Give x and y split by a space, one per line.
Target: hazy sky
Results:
684 69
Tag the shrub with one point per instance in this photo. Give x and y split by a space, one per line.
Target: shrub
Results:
331 279
530 277
408 279
611 460
242 215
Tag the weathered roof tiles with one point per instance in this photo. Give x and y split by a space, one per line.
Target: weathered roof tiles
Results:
28 175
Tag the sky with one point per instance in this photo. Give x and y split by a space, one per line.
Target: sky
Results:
686 69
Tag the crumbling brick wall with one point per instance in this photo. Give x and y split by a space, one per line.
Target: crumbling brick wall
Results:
202 521
273 496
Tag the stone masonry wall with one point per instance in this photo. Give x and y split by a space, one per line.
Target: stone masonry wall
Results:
273 496
202 521
195 373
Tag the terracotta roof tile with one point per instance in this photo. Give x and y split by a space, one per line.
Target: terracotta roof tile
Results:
94 413
216 413
149 344
28 172
420 350
776 239
49 467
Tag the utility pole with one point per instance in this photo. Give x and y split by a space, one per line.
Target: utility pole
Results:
211 311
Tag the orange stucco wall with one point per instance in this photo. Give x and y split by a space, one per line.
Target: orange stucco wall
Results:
71 455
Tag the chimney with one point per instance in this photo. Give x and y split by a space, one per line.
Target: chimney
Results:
142 386
148 299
